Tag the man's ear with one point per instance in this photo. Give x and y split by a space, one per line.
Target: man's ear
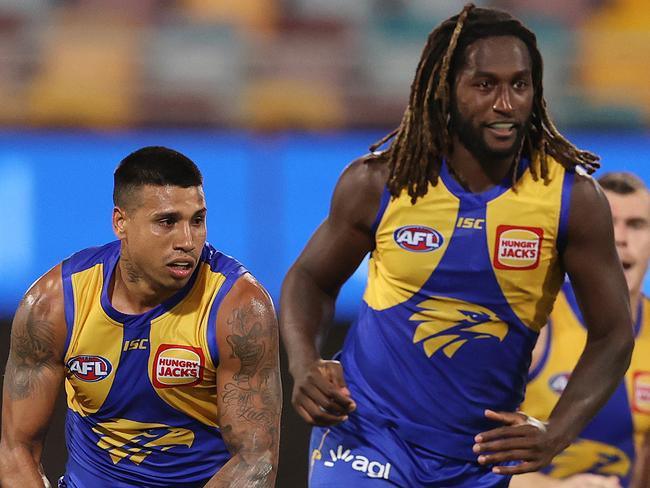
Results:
119 222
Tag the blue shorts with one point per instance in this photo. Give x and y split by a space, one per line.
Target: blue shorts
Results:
356 454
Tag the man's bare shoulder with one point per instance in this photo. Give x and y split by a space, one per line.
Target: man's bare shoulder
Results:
585 186
589 206
368 173
248 290
46 298
358 193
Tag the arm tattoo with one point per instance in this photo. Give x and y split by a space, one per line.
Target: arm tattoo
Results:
32 351
252 397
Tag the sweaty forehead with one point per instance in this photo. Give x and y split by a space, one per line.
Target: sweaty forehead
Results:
169 198
497 54
635 204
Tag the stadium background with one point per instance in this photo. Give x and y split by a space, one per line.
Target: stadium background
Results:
272 98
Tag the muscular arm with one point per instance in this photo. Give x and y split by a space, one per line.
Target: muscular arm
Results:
248 387
592 263
33 376
539 480
312 285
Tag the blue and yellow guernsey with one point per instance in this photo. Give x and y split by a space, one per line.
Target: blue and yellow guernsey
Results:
608 444
141 389
459 285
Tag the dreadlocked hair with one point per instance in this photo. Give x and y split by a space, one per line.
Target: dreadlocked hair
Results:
422 140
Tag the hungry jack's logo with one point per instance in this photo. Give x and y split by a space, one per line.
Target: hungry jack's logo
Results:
177 365
447 324
641 385
517 248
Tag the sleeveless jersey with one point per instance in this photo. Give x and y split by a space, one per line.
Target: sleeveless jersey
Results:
459 285
141 389
607 445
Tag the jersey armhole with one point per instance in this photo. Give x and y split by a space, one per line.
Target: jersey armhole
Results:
383 204
535 372
211 334
565 203
68 302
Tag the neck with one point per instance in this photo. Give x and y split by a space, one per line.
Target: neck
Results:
130 292
474 173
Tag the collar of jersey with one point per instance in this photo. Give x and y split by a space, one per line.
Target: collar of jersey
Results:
483 197
146 317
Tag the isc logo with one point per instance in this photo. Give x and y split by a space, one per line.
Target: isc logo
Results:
470 223
417 238
90 368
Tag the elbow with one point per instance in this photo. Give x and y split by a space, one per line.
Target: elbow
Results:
5 456
266 467
6 463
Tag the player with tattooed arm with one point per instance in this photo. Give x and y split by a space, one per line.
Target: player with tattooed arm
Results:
167 349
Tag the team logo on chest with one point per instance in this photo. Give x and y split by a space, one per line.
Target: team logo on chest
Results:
89 368
128 439
517 247
176 365
418 238
448 324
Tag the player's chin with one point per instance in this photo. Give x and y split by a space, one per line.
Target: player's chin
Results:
502 148
174 283
502 151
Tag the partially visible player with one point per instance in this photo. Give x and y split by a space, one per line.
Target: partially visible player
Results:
642 465
605 453
167 348
471 217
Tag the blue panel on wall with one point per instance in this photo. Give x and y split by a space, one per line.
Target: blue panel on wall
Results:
266 194
17 244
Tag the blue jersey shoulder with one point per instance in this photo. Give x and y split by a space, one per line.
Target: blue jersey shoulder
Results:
89 257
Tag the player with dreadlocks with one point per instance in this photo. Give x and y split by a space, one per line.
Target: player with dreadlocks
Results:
471 216
423 140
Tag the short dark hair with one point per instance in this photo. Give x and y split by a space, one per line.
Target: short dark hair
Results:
153 165
622 182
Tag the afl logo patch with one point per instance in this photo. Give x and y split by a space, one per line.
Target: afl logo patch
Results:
517 247
558 382
89 368
176 365
417 238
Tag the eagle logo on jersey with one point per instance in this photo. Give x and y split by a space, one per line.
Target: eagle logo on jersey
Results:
127 439
448 323
587 456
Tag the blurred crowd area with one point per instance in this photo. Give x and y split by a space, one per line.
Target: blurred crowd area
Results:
278 64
